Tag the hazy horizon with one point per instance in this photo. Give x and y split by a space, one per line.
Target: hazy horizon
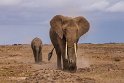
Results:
21 21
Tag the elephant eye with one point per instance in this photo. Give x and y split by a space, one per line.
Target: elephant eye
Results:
64 29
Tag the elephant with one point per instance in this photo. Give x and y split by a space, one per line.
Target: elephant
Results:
64 34
36 46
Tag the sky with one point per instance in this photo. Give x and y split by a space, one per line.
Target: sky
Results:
23 20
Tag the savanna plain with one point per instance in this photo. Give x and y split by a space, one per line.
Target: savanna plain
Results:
97 63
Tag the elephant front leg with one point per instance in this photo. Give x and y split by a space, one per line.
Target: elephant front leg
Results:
65 62
58 59
59 62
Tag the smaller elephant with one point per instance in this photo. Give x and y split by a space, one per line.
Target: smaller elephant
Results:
36 46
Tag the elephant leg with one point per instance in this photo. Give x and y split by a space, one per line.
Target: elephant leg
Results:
36 58
37 55
40 57
57 45
34 52
59 62
65 63
58 59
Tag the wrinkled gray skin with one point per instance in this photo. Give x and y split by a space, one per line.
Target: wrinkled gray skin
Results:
36 46
67 30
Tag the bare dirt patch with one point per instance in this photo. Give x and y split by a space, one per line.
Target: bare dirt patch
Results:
97 63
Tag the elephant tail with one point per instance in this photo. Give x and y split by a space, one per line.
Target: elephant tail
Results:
50 54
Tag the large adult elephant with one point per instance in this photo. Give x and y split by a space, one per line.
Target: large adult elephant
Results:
36 46
64 34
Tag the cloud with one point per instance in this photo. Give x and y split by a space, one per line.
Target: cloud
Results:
44 3
31 11
9 2
99 5
118 7
67 5
34 14
103 6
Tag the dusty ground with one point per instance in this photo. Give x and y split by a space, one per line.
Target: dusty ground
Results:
97 63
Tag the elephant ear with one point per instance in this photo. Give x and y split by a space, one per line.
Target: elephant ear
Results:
56 25
83 25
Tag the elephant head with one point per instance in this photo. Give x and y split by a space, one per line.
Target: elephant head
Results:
69 31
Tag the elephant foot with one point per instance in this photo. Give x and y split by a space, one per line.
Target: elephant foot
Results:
59 68
72 69
65 69
38 62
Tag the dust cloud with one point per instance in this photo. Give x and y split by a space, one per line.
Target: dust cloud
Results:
82 62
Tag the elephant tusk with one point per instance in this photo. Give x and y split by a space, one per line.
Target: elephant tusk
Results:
75 49
66 57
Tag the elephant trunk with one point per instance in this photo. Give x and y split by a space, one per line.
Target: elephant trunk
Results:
71 55
37 54
66 50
